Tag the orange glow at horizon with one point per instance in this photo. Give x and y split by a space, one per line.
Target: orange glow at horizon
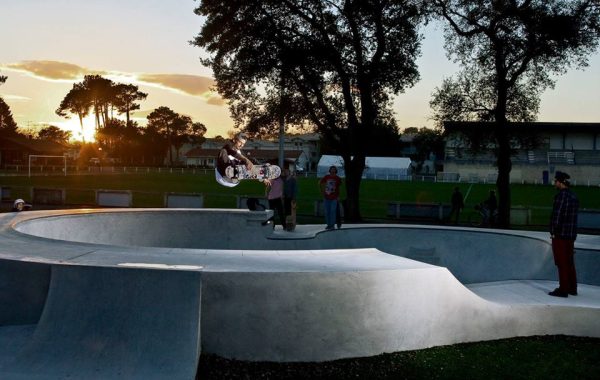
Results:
77 134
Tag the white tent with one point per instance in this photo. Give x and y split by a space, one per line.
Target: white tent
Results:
327 161
386 168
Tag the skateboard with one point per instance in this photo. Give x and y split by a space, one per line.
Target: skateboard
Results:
290 220
257 172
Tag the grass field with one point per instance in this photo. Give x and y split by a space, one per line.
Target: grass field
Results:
533 358
149 188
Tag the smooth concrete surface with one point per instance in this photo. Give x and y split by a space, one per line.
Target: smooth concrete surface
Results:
129 293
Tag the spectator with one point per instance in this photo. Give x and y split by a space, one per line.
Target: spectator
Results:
563 231
290 191
275 198
458 204
330 188
491 205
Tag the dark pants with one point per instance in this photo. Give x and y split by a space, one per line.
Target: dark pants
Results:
564 252
277 206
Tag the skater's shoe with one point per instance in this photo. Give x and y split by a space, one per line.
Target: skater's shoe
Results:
558 293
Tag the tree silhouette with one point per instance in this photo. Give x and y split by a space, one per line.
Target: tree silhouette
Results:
125 98
8 126
331 64
76 102
172 127
509 51
100 92
7 122
55 134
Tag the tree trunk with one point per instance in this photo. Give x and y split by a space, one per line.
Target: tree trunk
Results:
354 169
503 182
503 156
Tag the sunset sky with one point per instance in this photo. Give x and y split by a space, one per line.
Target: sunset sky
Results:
46 46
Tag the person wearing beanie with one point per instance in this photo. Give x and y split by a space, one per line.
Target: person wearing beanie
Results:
563 231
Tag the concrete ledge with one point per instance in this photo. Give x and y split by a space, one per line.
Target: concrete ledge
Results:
107 323
149 287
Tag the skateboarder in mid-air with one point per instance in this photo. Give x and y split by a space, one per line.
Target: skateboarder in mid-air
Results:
232 166
230 155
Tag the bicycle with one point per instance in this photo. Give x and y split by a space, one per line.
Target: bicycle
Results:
483 218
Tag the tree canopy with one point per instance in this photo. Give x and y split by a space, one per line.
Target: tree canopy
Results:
55 134
510 51
332 65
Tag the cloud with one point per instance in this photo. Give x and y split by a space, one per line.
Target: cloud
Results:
52 70
16 98
194 85
190 84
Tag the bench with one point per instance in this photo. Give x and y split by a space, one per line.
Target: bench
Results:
113 198
184 200
45 196
419 211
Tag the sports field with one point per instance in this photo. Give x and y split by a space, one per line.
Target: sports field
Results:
149 188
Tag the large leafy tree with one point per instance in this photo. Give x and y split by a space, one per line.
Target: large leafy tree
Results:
55 134
509 51
173 130
120 140
333 64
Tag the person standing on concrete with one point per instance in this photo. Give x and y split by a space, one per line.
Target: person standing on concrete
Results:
290 191
563 231
330 188
458 204
275 198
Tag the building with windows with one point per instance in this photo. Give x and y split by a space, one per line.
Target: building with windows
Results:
15 150
570 147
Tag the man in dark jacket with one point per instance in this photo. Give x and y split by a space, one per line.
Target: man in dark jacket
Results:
563 231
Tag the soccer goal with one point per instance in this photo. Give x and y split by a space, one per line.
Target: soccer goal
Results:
44 160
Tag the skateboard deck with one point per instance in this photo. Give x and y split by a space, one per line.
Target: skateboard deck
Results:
257 172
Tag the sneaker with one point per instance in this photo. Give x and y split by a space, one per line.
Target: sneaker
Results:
558 293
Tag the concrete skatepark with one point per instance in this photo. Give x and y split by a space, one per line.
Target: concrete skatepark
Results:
142 293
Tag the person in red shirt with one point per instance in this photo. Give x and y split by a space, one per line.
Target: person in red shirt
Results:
330 188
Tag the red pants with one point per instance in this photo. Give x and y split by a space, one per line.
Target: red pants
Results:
564 251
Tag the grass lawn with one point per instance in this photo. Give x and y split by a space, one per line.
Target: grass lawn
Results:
149 188
532 358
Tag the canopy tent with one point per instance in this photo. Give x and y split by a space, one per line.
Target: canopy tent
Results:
386 168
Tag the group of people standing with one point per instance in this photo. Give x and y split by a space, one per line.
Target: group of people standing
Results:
281 195
282 192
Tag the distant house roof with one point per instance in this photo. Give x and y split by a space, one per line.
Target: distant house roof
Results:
260 154
460 126
31 145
